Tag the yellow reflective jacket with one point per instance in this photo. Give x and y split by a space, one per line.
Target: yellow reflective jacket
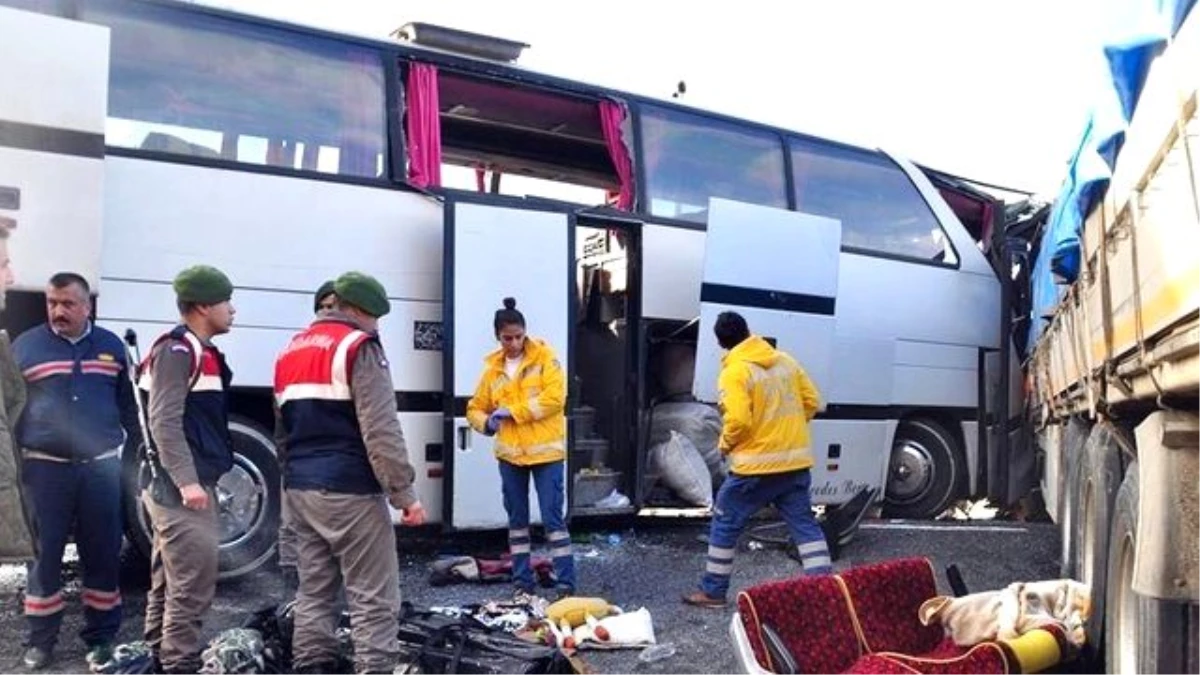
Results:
766 401
535 397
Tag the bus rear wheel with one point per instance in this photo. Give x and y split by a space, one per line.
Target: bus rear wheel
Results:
926 472
248 502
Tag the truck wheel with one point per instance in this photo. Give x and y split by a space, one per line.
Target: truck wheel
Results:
1100 476
927 471
1142 635
248 499
1074 441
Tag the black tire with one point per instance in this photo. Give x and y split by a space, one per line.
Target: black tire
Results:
1099 477
249 496
1073 443
927 471
1142 635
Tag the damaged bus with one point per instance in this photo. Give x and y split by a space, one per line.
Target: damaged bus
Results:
172 133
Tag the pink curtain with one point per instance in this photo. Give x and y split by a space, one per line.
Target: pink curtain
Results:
424 128
612 121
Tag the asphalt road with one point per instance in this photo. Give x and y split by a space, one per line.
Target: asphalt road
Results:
650 566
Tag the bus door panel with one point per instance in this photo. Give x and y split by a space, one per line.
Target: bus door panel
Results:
779 270
493 252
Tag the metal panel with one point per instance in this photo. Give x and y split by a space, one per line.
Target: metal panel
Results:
497 252
776 260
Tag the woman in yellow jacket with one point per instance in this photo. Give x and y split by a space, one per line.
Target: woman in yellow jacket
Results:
520 400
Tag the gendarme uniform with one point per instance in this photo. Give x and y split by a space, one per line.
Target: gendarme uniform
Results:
287 538
187 381
344 460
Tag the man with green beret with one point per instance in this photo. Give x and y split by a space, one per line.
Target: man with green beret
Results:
324 301
344 461
187 382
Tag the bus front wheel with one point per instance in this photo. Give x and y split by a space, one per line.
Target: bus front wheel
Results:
926 472
248 503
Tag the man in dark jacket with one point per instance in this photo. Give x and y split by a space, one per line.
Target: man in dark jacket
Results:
79 411
188 384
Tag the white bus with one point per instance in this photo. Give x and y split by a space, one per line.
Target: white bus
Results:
138 137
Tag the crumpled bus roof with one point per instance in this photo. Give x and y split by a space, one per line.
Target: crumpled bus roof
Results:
1144 28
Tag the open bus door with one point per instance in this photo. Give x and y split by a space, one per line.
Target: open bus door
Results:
492 252
779 269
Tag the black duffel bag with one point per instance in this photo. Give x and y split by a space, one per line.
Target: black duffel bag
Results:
436 643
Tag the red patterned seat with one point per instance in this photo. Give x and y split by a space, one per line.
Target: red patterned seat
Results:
886 597
864 620
800 610
987 657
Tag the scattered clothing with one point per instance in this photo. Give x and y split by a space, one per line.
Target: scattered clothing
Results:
458 569
237 650
131 657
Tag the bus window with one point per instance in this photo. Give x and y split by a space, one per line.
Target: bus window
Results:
690 158
508 138
880 208
207 87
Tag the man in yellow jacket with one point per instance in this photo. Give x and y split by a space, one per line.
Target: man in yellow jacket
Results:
766 402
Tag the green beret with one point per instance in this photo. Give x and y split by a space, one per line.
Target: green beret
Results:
363 291
202 284
325 289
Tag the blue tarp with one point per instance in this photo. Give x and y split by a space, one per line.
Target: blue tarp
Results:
1143 30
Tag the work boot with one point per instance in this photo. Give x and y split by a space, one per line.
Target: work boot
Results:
702 599
98 655
37 658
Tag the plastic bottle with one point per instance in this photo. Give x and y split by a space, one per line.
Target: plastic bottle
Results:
657 652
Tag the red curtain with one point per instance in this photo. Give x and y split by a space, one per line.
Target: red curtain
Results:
424 129
613 117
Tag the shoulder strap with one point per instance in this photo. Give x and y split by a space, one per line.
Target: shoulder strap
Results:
194 347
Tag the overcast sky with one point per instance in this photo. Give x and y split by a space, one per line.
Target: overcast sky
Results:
995 90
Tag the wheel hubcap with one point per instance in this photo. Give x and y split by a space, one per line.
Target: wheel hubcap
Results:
241 503
910 473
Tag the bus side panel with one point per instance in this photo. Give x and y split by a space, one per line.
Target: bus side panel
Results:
277 238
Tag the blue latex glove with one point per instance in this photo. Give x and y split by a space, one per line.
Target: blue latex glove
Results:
493 422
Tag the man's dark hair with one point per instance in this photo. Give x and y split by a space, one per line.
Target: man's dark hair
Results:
65 279
730 329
